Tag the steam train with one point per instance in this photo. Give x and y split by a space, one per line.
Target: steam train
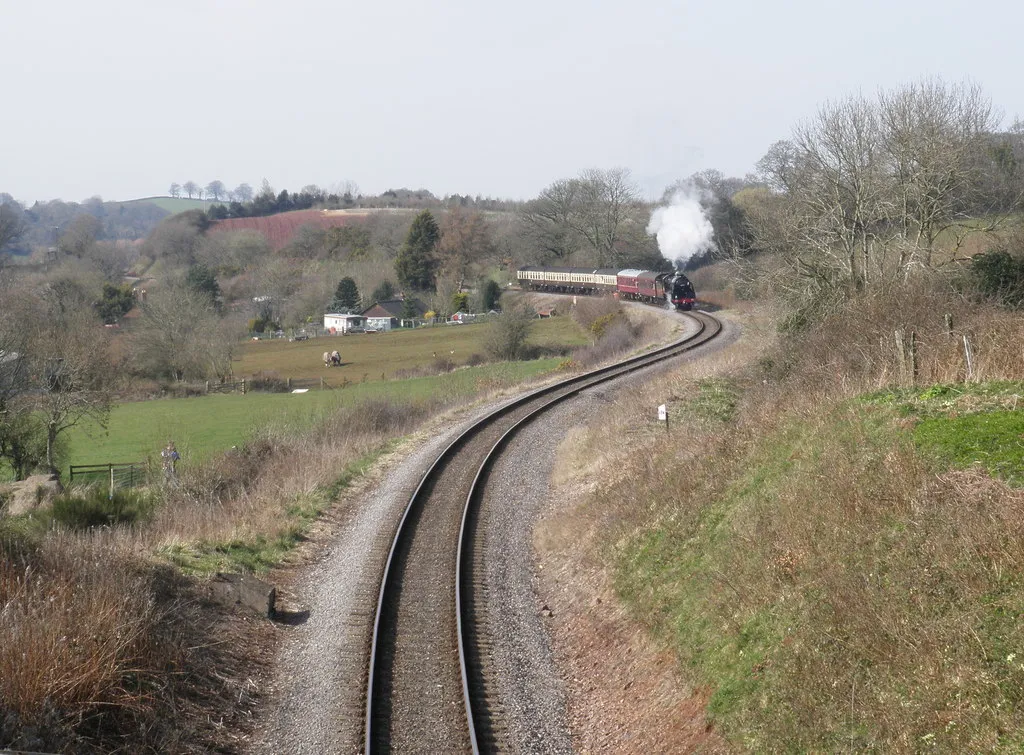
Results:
648 286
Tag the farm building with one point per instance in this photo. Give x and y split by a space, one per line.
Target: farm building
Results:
336 323
385 315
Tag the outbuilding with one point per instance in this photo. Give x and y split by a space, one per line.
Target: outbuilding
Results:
392 313
338 323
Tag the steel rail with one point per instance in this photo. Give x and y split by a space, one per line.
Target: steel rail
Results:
463 568
579 383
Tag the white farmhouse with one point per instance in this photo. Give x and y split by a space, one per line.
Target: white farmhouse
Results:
335 323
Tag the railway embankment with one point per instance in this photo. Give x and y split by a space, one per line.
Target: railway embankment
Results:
822 551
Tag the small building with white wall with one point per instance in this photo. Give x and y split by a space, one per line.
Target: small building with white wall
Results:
337 323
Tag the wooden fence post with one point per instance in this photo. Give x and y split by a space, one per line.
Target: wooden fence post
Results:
243 386
949 324
288 383
913 357
322 384
901 362
969 357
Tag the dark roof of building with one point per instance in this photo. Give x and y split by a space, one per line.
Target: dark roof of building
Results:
393 308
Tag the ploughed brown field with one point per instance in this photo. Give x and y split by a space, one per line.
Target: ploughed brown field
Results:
280 229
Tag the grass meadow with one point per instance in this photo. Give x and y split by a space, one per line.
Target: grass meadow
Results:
175 205
380 356
204 426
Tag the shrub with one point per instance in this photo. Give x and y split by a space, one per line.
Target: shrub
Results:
511 329
600 325
1000 276
267 383
589 310
616 337
95 507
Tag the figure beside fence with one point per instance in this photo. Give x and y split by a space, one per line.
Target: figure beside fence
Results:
170 458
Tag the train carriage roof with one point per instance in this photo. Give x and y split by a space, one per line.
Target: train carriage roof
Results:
630 272
607 271
648 275
572 270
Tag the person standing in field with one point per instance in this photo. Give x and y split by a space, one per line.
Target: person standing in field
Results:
170 458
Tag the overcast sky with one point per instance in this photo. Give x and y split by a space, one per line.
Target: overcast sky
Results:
500 99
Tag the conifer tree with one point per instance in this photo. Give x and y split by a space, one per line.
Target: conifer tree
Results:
346 296
416 265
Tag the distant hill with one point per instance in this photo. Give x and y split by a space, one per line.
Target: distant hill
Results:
174 205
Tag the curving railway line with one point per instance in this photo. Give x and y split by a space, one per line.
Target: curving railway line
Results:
429 686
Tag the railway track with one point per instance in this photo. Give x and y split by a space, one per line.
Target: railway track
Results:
428 686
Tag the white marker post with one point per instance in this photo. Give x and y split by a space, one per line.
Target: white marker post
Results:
663 415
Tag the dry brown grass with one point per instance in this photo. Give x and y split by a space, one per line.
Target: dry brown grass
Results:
81 642
856 347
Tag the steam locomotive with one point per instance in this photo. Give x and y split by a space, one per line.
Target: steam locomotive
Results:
673 289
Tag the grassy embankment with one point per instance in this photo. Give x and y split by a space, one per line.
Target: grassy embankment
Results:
839 566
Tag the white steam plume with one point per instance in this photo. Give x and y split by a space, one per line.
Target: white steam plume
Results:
682 228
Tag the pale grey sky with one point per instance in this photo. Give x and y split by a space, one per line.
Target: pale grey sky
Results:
122 97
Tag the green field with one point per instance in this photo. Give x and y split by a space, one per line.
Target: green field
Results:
204 426
374 355
173 205
207 425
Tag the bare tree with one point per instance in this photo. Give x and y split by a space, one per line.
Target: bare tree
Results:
590 216
548 223
465 243
243 193
13 334
180 336
865 190
934 135
609 199
843 187
216 190
80 236
175 242
112 259
191 188
175 190
69 354
12 223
